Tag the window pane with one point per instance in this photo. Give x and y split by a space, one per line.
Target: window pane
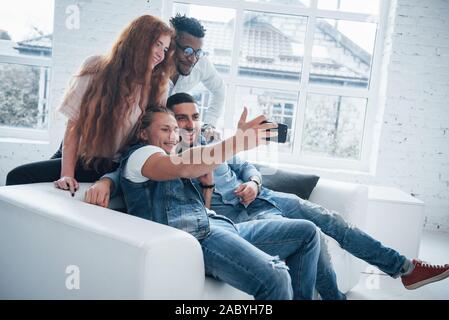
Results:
299 3
272 46
333 126
203 99
342 53
270 103
358 6
23 96
29 24
219 25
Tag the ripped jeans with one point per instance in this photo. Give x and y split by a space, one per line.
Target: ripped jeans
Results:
352 239
250 256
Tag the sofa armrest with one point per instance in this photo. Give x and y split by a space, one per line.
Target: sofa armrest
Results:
348 199
44 230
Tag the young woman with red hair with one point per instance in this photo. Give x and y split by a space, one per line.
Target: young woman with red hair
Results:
104 103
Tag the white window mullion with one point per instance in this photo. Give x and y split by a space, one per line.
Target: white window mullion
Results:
266 84
341 15
277 8
230 103
238 36
339 91
214 3
303 88
26 60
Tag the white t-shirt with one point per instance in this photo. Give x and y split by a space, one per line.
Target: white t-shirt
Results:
133 167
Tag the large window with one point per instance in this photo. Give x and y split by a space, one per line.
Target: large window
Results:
25 63
312 65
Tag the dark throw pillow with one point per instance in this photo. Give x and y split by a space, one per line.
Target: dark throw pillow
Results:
288 181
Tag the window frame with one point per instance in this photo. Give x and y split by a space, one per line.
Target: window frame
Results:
29 133
371 93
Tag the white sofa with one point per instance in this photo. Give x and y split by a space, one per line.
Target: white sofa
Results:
48 239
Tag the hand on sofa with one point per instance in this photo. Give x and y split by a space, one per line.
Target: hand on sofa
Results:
99 193
67 183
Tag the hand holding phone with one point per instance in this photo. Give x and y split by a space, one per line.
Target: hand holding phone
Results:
282 133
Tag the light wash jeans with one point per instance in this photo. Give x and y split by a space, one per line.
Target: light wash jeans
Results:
249 257
332 224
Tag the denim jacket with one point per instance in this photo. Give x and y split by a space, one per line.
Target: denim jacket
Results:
176 203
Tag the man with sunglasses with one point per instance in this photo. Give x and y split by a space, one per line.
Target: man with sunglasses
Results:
193 67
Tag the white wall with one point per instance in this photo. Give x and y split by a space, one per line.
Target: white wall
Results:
413 147
414 137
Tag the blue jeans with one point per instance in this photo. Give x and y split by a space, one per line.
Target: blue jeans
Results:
332 224
249 257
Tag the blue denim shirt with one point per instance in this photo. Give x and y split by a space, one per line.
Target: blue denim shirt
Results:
229 175
176 203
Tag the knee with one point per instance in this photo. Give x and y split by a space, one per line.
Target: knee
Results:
14 176
310 229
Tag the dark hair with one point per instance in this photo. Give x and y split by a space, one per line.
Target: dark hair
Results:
190 25
179 98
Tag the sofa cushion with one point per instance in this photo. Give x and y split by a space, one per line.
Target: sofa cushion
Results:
288 181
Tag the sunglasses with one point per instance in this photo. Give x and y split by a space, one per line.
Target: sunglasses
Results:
188 51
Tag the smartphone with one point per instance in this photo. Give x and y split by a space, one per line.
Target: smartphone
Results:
282 133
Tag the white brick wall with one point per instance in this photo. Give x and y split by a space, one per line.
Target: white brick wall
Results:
413 116
413 150
414 143
414 147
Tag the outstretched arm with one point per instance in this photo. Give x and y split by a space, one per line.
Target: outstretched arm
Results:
198 161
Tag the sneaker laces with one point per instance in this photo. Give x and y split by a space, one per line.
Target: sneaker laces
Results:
428 265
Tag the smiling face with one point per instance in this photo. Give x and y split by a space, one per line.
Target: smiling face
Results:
162 132
188 119
158 50
185 64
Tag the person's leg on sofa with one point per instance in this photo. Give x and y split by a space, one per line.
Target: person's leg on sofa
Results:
58 153
414 273
47 171
41 171
232 259
326 279
295 241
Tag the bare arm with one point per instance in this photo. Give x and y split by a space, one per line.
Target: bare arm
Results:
69 151
192 163
67 180
198 161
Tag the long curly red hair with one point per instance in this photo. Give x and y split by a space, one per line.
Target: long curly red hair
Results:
108 101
